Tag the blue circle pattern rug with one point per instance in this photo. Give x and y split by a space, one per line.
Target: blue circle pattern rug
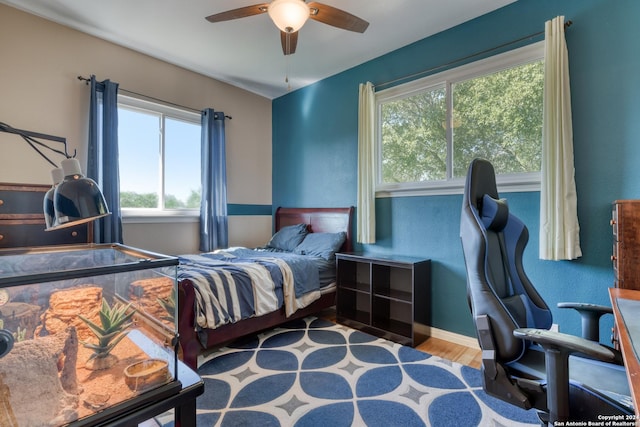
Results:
312 372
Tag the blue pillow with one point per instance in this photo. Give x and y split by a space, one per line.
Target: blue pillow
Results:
324 245
494 213
287 238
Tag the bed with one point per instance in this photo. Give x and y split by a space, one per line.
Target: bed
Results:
200 331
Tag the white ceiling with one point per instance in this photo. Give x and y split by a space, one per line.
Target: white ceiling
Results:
247 52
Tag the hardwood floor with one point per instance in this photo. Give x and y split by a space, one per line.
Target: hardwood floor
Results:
436 347
452 351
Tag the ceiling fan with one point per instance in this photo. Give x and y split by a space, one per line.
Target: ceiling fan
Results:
290 15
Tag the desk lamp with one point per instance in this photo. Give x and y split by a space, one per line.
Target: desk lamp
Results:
73 199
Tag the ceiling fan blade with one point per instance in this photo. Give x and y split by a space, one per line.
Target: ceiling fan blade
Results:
336 17
241 12
289 46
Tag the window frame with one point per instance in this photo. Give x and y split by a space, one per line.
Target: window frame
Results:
159 215
506 182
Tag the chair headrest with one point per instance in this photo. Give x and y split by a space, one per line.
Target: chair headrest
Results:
494 213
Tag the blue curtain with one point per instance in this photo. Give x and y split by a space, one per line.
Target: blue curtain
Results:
102 159
213 203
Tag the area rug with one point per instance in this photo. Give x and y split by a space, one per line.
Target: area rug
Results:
312 372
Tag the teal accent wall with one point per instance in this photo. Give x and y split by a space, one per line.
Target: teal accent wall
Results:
315 151
241 209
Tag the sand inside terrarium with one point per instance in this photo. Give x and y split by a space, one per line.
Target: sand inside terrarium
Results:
108 383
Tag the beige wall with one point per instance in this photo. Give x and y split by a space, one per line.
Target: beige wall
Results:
39 92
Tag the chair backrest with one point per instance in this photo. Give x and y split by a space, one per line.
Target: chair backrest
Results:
493 241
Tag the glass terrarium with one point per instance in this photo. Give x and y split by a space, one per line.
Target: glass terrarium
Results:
85 331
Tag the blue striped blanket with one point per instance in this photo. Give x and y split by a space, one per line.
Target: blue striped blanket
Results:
234 284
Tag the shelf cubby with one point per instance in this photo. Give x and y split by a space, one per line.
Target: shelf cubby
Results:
384 295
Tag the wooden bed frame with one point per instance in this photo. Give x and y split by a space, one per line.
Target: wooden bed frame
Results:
320 220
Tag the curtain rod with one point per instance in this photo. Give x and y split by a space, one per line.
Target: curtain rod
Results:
473 55
87 80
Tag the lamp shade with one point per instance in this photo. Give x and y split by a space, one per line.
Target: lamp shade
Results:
288 15
57 175
77 199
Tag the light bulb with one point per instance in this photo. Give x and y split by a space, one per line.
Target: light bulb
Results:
288 15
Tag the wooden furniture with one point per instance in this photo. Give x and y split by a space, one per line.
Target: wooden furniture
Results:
192 342
384 295
22 219
625 222
626 306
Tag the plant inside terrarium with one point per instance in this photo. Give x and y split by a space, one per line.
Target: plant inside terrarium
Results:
20 334
115 320
169 305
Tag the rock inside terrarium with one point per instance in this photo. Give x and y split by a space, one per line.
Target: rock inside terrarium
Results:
64 307
155 296
39 385
20 317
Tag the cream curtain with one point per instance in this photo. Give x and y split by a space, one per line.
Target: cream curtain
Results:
559 228
366 211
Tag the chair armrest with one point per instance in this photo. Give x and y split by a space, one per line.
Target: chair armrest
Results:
603 309
557 348
590 315
565 342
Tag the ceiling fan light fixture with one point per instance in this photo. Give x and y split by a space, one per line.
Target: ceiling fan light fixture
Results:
288 15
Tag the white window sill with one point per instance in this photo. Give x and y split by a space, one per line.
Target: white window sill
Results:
506 184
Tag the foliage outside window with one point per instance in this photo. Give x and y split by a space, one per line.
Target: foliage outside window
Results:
159 158
430 129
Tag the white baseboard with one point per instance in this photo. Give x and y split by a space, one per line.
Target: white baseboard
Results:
430 331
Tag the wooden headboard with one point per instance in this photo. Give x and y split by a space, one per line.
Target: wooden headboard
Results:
320 220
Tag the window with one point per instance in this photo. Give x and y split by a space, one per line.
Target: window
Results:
159 158
430 129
